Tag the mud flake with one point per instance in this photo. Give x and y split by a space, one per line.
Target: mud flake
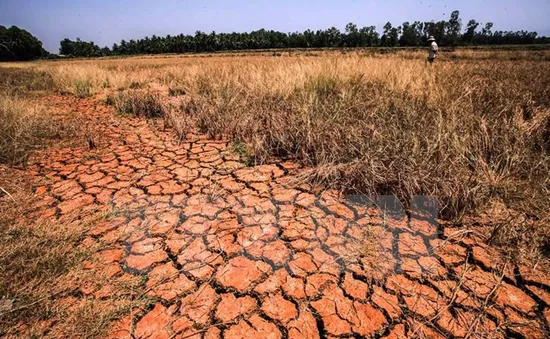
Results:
294 287
528 328
231 185
231 307
278 308
539 292
90 178
240 273
165 282
305 199
145 261
411 245
172 187
225 243
264 329
146 246
102 182
478 281
316 283
105 196
535 275
302 265
276 252
273 282
121 329
341 210
418 298
78 202
386 301
110 255
251 175
369 320
398 332
197 306
508 295
196 225
355 288
250 235
154 324
333 323
411 267
451 253
154 190
457 326
431 266
241 330
284 194
304 327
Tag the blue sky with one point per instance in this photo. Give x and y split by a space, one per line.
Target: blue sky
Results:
108 21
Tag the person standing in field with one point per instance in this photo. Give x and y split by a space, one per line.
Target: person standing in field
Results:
434 49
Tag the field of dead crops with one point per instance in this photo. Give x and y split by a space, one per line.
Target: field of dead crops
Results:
471 131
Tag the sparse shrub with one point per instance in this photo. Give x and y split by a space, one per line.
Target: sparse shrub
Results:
110 100
241 149
392 126
174 92
83 89
25 82
23 128
135 85
139 103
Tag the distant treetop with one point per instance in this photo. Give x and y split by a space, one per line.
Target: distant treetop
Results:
19 45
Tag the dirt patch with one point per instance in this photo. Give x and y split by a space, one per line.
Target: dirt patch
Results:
187 241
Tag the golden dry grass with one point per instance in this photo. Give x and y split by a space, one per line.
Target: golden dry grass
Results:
43 268
473 130
41 262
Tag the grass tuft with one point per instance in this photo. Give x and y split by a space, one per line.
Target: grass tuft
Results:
83 89
23 128
139 103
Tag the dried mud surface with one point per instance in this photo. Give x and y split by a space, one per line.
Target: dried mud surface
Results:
229 251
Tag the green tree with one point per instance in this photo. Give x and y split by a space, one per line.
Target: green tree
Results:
390 37
471 28
453 29
19 45
81 48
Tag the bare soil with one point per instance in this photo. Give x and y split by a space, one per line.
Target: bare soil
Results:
225 250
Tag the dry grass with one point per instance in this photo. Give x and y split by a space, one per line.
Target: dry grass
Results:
24 124
22 127
33 255
16 81
140 103
466 133
43 268
473 130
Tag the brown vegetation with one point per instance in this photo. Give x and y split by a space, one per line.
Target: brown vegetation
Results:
41 260
473 130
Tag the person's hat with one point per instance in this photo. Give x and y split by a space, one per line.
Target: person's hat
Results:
431 38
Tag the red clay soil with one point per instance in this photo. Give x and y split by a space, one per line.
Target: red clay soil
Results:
229 251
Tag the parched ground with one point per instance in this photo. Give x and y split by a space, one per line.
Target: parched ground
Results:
228 251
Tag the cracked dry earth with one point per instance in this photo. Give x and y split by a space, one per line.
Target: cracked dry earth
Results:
229 251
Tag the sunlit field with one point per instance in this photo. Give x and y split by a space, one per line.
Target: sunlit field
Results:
471 129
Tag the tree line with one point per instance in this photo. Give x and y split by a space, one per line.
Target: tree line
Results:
447 33
18 44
